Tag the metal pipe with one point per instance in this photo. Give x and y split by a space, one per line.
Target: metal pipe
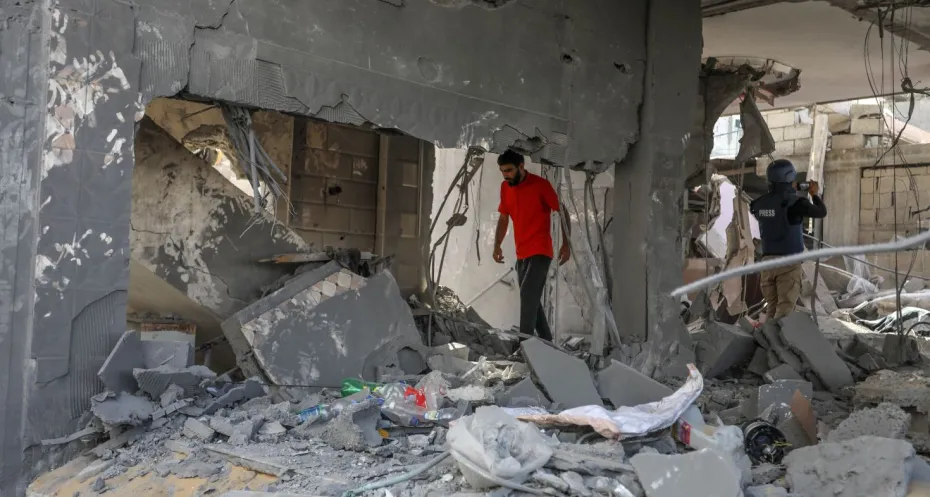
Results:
490 285
788 260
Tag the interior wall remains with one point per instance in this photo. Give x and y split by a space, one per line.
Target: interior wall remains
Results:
491 288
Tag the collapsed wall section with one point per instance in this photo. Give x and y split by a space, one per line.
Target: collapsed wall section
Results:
199 232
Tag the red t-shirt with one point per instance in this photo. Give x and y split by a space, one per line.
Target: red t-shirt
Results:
530 205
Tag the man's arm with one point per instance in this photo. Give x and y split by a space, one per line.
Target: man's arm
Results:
502 223
566 224
813 208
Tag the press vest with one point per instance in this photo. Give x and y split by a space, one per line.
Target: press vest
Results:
779 236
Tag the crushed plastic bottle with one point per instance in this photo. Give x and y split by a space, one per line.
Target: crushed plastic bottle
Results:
443 416
401 392
325 412
404 413
351 386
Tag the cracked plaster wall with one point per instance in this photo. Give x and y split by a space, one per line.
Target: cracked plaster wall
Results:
563 79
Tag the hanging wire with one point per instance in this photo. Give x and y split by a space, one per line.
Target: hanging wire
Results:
253 161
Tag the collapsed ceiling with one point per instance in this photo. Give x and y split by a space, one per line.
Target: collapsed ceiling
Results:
827 43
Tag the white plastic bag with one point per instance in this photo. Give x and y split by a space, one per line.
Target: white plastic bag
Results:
497 444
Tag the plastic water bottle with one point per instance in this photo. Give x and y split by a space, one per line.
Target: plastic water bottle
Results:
323 412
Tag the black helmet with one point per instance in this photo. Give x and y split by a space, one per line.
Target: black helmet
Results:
781 171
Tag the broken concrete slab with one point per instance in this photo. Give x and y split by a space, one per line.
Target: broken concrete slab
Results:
163 352
449 364
887 420
767 491
565 379
335 340
783 372
243 457
899 350
907 390
591 459
759 364
355 428
625 386
525 393
117 409
196 429
249 389
802 336
777 394
721 347
171 395
771 340
454 349
853 468
116 372
687 475
155 381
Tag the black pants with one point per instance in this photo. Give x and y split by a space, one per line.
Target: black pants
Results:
531 276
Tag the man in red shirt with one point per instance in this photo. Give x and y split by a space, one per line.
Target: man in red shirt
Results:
529 200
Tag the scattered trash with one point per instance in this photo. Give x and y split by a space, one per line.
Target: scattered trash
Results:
530 417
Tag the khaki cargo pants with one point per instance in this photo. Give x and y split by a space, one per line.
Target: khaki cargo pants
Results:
781 288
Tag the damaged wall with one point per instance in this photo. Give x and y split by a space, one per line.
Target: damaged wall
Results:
469 269
199 232
78 77
333 173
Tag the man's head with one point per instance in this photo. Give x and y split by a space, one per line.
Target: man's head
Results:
511 165
781 171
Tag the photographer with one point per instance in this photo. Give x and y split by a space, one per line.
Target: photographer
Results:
781 214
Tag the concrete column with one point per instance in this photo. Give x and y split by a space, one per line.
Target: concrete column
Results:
647 257
69 109
23 92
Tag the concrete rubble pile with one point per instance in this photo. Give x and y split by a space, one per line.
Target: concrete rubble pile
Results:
344 398
452 322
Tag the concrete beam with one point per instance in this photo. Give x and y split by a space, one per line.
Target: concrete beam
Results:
843 160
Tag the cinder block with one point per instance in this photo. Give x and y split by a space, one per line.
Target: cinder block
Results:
803 145
778 134
625 386
867 201
923 183
326 217
780 119
846 142
799 131
867 185
784 148
839 123
869 173
886 184
857 111
867 126
363 221
883 200
885 216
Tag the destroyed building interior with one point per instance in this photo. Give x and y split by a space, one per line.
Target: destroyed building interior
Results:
246 248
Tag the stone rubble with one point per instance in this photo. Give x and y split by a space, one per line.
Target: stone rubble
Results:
790 379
